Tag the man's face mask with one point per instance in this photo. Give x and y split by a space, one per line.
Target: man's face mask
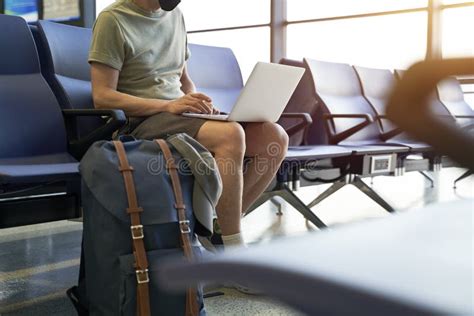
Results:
169 5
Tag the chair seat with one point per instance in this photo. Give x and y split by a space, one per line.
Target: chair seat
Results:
368 147
415 146
306 153
38 169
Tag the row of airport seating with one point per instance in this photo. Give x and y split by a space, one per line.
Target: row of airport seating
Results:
349 137
337 127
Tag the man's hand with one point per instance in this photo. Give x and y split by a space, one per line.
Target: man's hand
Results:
191 102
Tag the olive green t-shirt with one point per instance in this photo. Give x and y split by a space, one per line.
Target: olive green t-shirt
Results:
148 48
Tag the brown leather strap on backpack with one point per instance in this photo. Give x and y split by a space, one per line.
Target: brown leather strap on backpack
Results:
192 308
136 228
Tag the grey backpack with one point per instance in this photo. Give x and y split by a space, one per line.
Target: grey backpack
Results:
138 211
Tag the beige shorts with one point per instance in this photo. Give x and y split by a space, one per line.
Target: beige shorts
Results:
162 125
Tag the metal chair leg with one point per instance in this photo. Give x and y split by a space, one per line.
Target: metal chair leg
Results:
463 176
262 199
278 205
362 186
330 191
428 177
286 194
296 202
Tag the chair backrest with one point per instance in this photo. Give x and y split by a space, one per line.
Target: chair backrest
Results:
304 100
437 107
377 84
339 90
451 95
216 72
63 50
30 117
399 73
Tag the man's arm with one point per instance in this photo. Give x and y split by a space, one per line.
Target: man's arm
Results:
188 86
105 95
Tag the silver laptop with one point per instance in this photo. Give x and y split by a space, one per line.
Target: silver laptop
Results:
265 95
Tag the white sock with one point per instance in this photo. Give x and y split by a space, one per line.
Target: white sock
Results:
232 241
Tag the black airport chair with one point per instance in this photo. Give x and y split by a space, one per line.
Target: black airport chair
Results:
441 110
349 122
38 177
436 106
377 84
63 51
452 97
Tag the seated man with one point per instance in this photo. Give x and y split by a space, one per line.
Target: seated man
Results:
138 62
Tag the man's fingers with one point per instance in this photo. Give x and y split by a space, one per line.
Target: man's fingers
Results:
192 109
199 107
208 107
201 96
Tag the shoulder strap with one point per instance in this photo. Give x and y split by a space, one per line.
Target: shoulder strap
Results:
192 308
141 261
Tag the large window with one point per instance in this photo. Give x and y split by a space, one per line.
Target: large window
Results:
316 9
457 26
249 45
212 14
392 41
457 37
374 33
243 26
101 5
240 25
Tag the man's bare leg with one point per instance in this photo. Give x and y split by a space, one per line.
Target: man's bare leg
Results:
266 144
226 140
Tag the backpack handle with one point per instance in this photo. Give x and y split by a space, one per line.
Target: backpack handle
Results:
136 228
192 308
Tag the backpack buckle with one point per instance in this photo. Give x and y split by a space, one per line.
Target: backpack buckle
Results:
142 276
137 232
184 227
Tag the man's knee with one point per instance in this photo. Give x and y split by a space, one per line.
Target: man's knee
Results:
279 135
232 140
268 139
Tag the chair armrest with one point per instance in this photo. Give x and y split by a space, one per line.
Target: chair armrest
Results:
305 118
334 137
468 127
79 146
390 134
464 116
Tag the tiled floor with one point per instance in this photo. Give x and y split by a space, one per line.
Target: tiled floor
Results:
38 263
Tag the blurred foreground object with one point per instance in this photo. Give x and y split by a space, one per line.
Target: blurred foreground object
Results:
415 263
409 108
